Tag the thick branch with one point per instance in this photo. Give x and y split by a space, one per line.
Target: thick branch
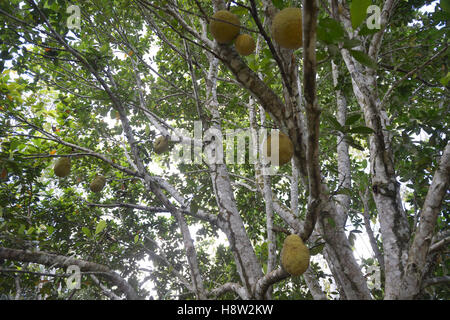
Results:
268 280
229 287
59 261
436 281
310 11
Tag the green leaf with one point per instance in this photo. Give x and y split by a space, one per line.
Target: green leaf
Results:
334 123
350 43
239 11
358 11
194 207
50 229
330 31
365 31
278 4
353 143
445 5
21 229
345 191
352 118
361 130
445 79
86 231
100 226
317 249
136 238
363 58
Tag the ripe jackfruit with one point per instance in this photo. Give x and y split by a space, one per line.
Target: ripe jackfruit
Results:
245 45
287 28
294 255
285 149
224 26
161 145
62 167
98 184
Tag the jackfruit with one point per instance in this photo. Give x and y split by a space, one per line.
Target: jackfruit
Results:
62 167
285 149
245 45
161 145
294 255
287 28
98 183
224 26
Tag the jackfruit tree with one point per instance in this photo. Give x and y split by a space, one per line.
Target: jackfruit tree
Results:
357 208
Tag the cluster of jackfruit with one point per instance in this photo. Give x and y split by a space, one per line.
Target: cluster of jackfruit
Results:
62 169
286 30
285 149
225 27
294 255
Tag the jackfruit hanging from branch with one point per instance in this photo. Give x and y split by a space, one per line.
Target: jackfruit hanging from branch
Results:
287 28
98 183
284 146
62 167
224 26
161 145
294 255
245 45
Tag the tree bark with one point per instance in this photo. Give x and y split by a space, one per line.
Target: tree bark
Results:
53 260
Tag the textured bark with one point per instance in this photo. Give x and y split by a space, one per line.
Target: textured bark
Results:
268 280
420 246
264 185
385 188
310 12
229 219
341 256
343 158
53 260
369 231
230 287
313 285
278 111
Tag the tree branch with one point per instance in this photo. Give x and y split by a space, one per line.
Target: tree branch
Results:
229 287
439 245
268 280
49 259
420 246
436 281
310 11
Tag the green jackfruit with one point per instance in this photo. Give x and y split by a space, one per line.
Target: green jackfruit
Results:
161 145
285 149
62 167
98 184
245 45
287 28
224 26
294 255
